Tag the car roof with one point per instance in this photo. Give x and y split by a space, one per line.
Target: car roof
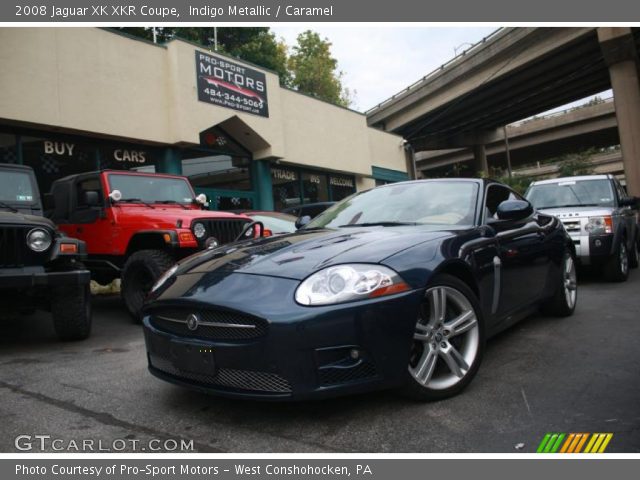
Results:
576 178
119 172
15 166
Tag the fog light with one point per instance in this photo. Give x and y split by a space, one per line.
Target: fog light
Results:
212 242
354 353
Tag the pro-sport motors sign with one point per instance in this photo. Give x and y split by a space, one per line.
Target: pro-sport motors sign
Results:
231 85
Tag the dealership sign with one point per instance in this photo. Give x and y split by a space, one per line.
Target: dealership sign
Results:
231 85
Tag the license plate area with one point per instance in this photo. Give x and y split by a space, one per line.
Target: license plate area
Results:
192 358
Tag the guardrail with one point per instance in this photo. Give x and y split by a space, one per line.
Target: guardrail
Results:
417 83
559 113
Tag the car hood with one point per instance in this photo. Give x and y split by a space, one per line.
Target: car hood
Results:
19 218
299 254
169 214
576 212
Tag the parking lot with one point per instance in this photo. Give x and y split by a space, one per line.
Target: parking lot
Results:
579 374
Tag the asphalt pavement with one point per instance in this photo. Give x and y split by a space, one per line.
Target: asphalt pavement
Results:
578 374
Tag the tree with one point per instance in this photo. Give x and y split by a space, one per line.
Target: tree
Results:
314 70
311 69
253 44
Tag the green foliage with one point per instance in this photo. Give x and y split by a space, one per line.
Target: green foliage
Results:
310 69
576 164
518 183
313 69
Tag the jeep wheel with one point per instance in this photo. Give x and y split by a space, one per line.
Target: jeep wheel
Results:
617 267
140 272
71 311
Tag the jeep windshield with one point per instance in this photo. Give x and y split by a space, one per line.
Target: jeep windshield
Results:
16 189
572 193
151 189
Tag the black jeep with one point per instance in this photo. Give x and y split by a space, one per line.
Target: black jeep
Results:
39 267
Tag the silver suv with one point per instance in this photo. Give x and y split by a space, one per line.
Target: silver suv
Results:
600 217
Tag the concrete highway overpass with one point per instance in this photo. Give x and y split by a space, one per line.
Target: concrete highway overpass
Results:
537 139
514 74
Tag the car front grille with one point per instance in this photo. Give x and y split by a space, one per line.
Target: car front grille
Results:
213 324
13 246
224 230
334 375
226 377
571 226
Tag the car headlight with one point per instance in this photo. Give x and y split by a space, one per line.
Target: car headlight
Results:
346 283
199 231
599 225
38 240
164 277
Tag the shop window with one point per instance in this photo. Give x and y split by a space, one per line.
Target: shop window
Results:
8 149
224 202
216 171
286 187
56 158
314 188
341 187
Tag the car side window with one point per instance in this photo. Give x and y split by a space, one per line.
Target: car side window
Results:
496 194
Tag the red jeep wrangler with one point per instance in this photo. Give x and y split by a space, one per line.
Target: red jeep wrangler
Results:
137 225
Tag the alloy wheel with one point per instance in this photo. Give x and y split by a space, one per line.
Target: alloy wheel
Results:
446 339
624 259
570 281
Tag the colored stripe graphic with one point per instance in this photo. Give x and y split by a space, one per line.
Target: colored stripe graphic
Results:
574 442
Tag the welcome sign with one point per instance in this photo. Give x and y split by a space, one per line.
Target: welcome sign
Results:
231 85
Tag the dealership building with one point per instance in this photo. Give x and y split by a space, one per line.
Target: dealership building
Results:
80 99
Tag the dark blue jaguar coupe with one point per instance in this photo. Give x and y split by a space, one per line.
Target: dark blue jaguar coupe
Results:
395 287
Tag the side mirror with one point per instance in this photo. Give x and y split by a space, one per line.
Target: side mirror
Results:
302 221
202 200
115 195
630 202
514 210
91 198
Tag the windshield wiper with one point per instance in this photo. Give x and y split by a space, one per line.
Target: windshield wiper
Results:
378 224
136 200
171 202
572 205
5 205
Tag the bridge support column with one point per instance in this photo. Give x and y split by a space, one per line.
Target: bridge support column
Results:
480 164
620 54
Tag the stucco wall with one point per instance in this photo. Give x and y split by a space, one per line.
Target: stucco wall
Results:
93 80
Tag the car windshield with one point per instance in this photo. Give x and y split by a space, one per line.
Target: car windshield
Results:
277 223
151 188
416 203
572 193
16 187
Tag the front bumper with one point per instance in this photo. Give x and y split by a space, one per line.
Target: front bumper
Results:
593 249
301 353
28 277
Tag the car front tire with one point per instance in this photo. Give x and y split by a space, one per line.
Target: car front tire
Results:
140 272
617 267
564 301
634 256
71 311
448 341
